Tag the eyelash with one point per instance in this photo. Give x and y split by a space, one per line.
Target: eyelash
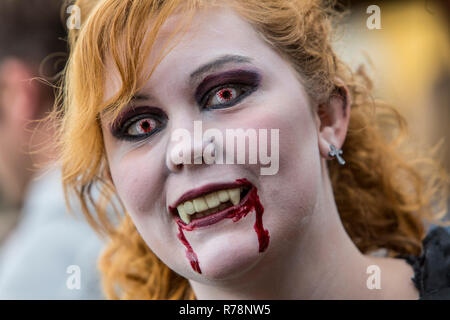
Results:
213 92
122 132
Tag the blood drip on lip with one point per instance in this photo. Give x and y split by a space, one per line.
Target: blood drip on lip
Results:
236 214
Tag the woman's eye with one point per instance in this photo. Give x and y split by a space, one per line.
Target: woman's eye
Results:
138 123
142 127
226 96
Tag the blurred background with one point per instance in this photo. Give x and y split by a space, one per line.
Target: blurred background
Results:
408 59
45 252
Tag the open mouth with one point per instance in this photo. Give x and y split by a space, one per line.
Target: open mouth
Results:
214 202
209 206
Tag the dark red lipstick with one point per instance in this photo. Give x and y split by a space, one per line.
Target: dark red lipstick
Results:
249 203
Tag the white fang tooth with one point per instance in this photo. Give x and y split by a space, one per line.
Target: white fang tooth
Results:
189 207
235 196
200 204
212 200
223 196
180 209
183 215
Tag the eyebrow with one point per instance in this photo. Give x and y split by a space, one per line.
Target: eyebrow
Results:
217 63
140 97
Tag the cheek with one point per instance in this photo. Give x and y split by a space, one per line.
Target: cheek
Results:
138 179
292 192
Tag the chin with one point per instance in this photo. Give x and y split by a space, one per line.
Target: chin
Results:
231 262
228 253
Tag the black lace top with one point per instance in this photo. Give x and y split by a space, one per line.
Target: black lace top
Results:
432 267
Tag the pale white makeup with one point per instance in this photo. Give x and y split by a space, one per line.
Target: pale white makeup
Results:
147 182
300 214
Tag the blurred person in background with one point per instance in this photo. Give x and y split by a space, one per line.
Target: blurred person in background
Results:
40 256
8 217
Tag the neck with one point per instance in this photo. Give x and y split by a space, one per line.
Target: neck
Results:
321 263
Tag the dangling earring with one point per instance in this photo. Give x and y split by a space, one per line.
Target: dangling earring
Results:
336 153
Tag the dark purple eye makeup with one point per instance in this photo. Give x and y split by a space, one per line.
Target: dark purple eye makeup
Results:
240 79
138 123
216 91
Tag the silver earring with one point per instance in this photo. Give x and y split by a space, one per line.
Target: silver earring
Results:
336 153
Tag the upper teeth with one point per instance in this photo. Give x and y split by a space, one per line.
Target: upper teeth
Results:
209 201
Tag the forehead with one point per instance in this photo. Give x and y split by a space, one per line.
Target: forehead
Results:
213 32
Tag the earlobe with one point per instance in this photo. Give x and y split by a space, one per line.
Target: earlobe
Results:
334 117
326 139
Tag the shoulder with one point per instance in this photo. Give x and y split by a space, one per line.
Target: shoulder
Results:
432 267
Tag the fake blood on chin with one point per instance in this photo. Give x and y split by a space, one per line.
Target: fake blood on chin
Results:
249 203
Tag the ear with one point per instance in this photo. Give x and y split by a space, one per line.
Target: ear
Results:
333 118
19 96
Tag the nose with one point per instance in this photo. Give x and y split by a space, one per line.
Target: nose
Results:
188 148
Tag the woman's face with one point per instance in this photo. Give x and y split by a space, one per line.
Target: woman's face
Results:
255 89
